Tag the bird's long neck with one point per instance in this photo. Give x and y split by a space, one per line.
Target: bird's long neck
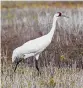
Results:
51 33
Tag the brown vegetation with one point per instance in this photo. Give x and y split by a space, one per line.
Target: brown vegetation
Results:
40 4
61 63
21 25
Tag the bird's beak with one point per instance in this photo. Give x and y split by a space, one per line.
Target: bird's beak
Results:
65 16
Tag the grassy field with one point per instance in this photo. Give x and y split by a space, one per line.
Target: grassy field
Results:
51 77
61 64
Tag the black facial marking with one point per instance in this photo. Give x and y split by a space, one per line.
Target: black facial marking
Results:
59 14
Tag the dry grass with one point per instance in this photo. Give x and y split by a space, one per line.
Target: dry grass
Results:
35 4
21 25
51 77
61 64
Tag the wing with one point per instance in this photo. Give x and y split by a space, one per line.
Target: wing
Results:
35 45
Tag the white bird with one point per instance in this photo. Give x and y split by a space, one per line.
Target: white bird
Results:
36 46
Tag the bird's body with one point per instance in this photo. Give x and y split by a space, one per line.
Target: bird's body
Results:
36 46
31 48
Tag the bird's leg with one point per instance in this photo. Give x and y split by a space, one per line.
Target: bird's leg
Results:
17 65
36 64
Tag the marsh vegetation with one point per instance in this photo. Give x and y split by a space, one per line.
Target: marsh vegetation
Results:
61 64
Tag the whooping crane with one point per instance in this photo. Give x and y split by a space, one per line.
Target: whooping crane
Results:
36 46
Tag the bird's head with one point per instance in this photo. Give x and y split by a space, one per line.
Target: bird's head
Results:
59 14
